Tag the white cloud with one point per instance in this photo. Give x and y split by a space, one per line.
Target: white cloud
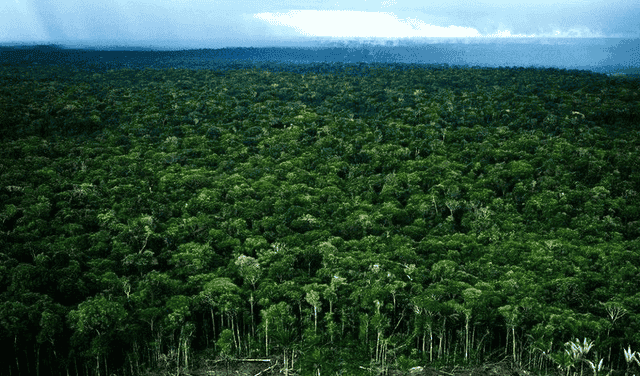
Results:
361 24
507 34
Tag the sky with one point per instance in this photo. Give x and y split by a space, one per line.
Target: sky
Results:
253 23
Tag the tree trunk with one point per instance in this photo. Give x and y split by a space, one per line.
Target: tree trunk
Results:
177 358
609 356
513 339
378 348
466 339
15 351
473 336
233 331
315 314
442 334
266 336
51 363
137 354
239 349
430 344
26 356
206 332
366 333
186 354
253 325
506 345
213 323
158 348
38 361
286 368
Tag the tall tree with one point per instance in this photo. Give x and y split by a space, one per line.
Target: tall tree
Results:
250 271
511 315
221 294
471 296
313 298
179 309
102 316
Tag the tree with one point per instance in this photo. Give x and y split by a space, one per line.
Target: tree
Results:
471 296
104 317
282 332
330 293
313 298
427 308
192 258
15 324
277 322
51 326
225 345
331 290
250 272
278 262
379 322
179 308
221 293
615 310
511 315
395 288
443 269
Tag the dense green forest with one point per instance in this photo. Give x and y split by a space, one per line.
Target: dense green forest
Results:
339 220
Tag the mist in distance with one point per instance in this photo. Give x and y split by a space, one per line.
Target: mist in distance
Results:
593 35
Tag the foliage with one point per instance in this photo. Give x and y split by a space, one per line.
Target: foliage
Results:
336 216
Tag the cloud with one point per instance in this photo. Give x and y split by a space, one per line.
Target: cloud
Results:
349 24
376 24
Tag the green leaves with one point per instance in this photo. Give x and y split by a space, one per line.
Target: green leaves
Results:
9 211
51 325
443 269
578 350
313 298
249 269
563 360
221 293
179 308
225 343
631 356
510 314
97 314
394 193
192 258
574 353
